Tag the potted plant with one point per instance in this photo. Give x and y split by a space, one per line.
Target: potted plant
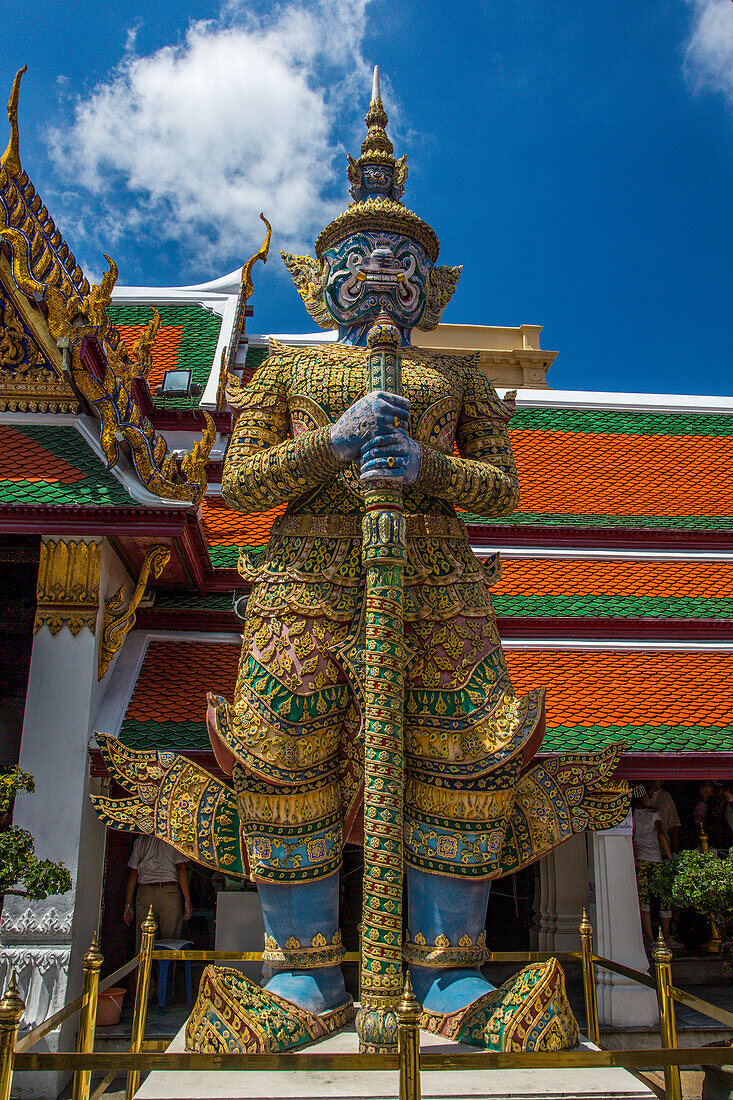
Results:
704 882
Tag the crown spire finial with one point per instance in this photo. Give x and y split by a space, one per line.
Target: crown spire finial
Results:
376 174
10 159
375 84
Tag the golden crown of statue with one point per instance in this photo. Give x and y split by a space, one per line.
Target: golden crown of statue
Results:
377 181
379 209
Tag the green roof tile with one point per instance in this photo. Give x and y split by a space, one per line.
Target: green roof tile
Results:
165 736
644 738
614 607
55 466
195 350
618 422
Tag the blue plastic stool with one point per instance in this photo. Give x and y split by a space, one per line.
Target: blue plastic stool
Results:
166 967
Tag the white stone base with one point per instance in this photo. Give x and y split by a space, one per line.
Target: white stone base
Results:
517 1084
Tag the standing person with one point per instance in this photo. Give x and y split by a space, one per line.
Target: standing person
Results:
161 876
728 795
663 803
700 814
650 843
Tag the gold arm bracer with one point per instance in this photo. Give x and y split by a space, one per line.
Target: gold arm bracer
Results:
484 478
263 467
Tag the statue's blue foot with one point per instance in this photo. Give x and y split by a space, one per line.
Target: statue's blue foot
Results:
316 991
448 990
446 947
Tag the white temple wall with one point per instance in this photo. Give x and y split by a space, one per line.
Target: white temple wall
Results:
596 871
46 941
617 932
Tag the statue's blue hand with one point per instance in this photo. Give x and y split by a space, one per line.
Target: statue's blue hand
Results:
375 414
392 455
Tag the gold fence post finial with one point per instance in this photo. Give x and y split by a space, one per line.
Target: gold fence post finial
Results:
409 1011
148 928
712 944
585 929
11 1011
88 1019
662 957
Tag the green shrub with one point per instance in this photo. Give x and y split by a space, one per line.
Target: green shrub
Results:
703 882
697 880
21 873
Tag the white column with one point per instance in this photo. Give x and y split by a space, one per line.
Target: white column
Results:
571 892
617 932
45 941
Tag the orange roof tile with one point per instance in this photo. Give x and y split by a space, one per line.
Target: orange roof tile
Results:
596 473
538 577
24 459
617 688
225 527
175 678
165 349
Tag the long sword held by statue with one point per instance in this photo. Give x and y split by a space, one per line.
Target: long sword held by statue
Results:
383 557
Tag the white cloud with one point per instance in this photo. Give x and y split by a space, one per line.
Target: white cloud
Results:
192 141
709 55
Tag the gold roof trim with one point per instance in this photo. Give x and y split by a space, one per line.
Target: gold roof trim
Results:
38 269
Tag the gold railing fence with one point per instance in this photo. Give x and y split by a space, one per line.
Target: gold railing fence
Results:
410 1061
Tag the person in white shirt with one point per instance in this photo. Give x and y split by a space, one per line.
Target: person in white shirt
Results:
161 876
650 843
663 803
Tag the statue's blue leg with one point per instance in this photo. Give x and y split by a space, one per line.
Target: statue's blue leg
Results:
301 930
446 919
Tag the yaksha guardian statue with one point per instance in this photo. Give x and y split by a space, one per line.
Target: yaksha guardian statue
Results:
373 701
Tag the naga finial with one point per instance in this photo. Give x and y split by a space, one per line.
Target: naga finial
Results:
261 254
10 159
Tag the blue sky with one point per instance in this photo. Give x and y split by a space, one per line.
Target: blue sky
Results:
576 158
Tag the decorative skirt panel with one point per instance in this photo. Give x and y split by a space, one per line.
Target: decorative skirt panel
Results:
529 1012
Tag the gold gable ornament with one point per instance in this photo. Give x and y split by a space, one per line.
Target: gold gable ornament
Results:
117 620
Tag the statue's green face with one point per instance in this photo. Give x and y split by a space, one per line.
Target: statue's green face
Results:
373 273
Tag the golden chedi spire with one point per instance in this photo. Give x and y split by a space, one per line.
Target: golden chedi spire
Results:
10 159
376 174
376 144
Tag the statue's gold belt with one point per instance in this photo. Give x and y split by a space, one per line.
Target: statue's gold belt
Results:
349 527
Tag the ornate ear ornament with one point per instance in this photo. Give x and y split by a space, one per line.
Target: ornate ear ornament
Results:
442 281
309 276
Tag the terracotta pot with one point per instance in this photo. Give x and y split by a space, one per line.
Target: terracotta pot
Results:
109 1007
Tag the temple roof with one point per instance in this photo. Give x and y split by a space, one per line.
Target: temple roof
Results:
187 338
168 705
574 588
609 467
657 701
672 700
55 466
